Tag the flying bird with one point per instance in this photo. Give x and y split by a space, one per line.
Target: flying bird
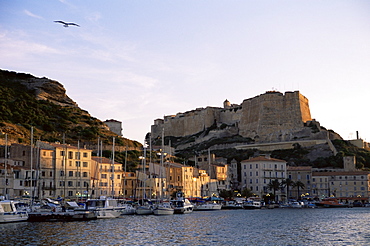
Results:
66 24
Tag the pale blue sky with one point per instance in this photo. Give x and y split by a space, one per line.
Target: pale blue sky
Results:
136 61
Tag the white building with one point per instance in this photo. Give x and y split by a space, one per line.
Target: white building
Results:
258 172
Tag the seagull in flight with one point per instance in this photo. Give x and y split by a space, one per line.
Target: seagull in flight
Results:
66 24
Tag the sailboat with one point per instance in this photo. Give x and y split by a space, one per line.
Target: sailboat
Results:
164 207
145 208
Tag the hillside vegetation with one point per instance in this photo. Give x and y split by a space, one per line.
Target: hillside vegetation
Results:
27 101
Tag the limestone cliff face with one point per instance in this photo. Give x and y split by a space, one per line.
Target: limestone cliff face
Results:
42 88
269 117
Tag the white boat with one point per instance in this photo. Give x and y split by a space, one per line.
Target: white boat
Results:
182 205
9 212
144 210
253 203
163 208
126 208
105 208
207 206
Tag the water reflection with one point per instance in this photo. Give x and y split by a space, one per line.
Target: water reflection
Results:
238 227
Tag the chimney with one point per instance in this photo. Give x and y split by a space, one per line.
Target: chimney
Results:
357 135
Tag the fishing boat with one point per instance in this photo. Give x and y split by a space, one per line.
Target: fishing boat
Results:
9 212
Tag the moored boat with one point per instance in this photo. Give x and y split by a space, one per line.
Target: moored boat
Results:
331 203
104 208
163 208
182 205
208 206
9 212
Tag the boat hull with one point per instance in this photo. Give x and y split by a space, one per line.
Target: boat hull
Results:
163 211
13 217
61 216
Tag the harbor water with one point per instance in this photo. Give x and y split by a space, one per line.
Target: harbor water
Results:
333 226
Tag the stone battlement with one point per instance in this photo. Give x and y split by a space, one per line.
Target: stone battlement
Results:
269 117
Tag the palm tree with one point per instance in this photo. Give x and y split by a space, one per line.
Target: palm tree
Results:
274 186
299 185
287 183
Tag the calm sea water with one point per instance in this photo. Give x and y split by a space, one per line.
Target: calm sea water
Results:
337 226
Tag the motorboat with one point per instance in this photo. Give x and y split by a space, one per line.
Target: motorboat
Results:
163 208
126 208
9 212
105 208
207 206
232 205
331 203
253 203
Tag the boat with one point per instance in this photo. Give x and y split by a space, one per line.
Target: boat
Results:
9 212
232 205
182 205
105 208
144 208
163 208
252 203
207 206
126 208
70 212
331 203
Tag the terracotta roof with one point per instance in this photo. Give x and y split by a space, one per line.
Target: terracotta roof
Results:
263 158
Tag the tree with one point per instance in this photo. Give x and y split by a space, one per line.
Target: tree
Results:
287 183
274 186
246 193
298 185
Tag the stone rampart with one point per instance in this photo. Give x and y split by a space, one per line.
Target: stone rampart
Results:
269 117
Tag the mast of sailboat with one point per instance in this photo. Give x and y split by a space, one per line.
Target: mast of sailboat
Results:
160 169
209 168
64 165
112 169
124 177
31 167
150 163
5 166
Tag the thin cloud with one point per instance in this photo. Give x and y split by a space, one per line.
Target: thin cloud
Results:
29 13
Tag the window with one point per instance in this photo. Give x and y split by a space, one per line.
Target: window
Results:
70 193
61 183
61 173
77 155
103 176
70 155
256 165
51 174
119 176
70 173
84 164
70 183
43 173
84 174
85 154
78 163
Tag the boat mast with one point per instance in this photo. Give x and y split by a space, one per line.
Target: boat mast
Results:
112 169
31 160
5 166
124 177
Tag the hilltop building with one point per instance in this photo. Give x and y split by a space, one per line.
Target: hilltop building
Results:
114 126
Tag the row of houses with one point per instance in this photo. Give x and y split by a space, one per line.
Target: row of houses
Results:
72 172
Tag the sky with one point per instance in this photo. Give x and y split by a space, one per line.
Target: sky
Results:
138 60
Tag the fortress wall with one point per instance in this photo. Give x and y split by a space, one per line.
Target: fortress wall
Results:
273 116
189 123
269 117
230 116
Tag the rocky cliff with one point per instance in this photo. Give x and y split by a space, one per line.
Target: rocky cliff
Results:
27 101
